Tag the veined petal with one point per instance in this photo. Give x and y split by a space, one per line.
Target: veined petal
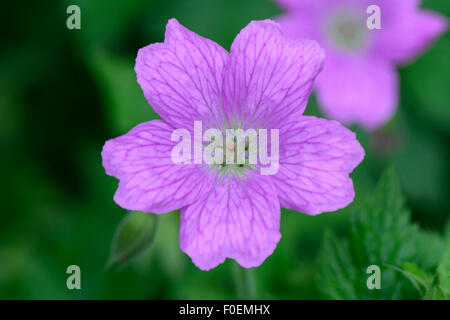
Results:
269 77
182 78
149 180
240 219
316 157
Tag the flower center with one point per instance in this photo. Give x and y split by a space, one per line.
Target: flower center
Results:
347 30
233 156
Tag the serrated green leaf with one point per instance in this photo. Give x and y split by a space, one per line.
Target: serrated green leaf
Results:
133 235
420 279
338 273
381 234
381 230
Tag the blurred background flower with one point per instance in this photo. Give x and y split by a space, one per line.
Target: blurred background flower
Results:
364 40
64 92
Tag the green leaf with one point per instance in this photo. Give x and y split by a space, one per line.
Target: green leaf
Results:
134 234
431 287
381 230
444 272
420 275
430 248
125 103
421 280
381 234
338 272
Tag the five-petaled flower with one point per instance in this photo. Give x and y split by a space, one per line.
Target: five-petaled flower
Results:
263 82
359 82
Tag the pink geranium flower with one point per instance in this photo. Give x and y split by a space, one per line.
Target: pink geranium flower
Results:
359 83
264 82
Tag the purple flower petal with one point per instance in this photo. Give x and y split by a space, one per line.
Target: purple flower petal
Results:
263 84
316 157
409 34
182 77
149 180
269 77
358 90
301 24
240 219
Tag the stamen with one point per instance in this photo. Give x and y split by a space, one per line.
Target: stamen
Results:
233 168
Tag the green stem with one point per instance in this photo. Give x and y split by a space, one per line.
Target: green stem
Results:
245 282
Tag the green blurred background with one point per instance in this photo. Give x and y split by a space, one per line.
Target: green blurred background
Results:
63 93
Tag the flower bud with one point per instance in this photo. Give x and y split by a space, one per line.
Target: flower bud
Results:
133 235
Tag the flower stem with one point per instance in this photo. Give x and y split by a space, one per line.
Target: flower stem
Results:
245 282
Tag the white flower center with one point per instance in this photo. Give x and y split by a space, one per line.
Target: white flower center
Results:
347 30
239 152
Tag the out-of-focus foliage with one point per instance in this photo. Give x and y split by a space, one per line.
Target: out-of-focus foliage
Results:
444 272
381 234
63 93
419 81
126 106
426 284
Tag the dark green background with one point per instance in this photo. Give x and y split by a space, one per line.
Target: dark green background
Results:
63 93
